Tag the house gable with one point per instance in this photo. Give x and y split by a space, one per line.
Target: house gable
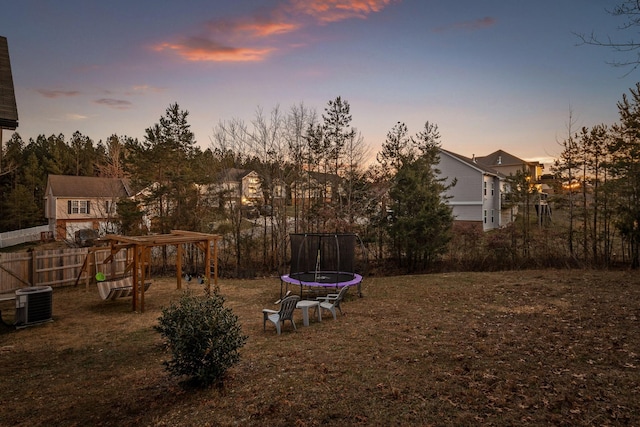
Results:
508 164
476 196
500 158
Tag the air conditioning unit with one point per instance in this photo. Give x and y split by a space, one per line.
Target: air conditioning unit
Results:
33 306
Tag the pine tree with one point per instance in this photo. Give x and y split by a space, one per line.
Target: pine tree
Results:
421 220
625 169
164 164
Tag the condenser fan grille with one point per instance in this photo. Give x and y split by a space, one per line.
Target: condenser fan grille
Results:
33 305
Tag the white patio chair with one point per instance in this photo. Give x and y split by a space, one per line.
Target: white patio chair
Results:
332 301
287 307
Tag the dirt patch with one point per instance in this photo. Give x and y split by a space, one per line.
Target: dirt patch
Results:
508 348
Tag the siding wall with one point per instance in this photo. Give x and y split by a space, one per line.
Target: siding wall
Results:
466 195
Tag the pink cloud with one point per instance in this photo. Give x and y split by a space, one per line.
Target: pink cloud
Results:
272 28
337 10
119 104
250 28
143 89
199 49
253 39
57 93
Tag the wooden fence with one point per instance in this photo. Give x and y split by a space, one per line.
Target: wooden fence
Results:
56 268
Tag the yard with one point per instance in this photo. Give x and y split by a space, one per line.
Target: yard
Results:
508 348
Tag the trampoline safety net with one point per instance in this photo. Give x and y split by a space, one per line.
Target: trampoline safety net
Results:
322 252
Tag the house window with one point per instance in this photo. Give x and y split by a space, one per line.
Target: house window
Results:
78 206
109 207
492 188
492 215
484 188
484 216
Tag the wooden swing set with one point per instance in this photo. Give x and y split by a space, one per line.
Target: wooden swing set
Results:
138 259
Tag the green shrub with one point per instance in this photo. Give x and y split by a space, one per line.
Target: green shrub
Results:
203 336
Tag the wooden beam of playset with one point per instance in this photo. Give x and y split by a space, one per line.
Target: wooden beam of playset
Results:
142 245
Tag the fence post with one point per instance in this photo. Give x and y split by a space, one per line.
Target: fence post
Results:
32 267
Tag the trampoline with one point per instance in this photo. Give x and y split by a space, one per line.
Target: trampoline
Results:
320 262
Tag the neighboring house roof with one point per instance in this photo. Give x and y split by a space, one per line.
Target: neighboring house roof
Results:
501 158
8 108
319 178
233 174
87 186
474 164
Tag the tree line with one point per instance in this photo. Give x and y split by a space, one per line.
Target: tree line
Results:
396 204
320 160
601 165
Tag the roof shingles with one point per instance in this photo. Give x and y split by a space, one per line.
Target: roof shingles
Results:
87 187
8 107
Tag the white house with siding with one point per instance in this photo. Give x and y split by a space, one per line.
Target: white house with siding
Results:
241 186
476 197
73 203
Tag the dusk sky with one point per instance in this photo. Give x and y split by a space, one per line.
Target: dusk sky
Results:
492 74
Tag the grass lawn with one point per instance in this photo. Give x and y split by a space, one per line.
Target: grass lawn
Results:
467 349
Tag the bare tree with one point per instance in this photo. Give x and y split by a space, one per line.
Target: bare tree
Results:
629 10
229 143
269 145
328 142
299 119
567 166
356 155
113 167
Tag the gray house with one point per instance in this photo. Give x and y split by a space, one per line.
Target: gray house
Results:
476 197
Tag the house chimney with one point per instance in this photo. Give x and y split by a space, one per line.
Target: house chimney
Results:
473 158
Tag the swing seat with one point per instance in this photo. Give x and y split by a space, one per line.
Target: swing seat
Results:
118 288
